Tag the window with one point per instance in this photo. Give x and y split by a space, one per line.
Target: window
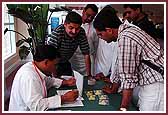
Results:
9 43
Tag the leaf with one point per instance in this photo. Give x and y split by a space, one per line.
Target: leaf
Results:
29 40
19 43
6 29
31 32
41 23
35 16
10 6
23 52
22 14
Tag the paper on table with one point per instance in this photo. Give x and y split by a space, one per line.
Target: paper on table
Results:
79 82
72 104
77 103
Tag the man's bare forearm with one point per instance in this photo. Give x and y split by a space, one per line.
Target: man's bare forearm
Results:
126 98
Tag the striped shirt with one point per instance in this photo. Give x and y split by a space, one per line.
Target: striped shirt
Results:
67 45
135 45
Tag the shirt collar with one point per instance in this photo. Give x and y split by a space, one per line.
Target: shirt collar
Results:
125 25
40 72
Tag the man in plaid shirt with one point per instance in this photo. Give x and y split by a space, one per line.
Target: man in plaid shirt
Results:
134 46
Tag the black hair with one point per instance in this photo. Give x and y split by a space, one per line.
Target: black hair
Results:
133 6
45 52
73 17
106 18
92 6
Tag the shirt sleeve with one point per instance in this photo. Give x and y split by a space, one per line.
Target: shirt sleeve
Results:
83 42
51 81
97 69
32 94
128 60
114 77
54 101
114 59
95 41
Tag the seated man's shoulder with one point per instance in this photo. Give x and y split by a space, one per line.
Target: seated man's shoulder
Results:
26 69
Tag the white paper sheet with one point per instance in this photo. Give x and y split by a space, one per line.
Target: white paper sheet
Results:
71 104
79 82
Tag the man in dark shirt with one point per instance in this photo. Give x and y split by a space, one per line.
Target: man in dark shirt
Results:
133 12
67 37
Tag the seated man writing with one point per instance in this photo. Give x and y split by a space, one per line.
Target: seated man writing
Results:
29 88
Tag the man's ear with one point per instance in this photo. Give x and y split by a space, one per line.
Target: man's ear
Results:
46 61
83 11
65 24
109 30
138 10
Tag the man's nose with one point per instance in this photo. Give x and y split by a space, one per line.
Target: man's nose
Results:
73 31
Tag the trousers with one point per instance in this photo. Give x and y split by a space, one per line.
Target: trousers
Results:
151 97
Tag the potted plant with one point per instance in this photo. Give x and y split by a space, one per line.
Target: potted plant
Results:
35 17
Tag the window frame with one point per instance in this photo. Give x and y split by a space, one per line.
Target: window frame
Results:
12 38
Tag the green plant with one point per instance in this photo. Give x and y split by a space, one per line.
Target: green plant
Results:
35 17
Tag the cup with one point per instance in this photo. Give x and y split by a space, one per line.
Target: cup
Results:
66 77
91 81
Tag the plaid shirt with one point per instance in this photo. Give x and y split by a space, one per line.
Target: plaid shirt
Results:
134 45
67 45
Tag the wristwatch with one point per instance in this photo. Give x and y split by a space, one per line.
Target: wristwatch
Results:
123 109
